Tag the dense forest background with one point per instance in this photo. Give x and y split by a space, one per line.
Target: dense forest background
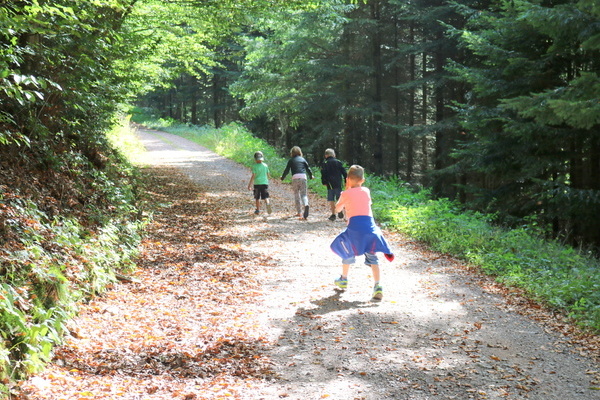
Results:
493 103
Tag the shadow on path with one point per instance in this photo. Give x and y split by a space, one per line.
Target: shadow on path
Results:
334 303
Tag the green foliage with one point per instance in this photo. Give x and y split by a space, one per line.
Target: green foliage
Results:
47 47
293 62
309 73
575 105
165 40
123 139
58 251
531 119
60 262
29 331
550 272
572 100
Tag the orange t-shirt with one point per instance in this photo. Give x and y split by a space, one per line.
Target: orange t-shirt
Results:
356 201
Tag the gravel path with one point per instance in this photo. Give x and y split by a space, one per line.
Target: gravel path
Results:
229 305
439 333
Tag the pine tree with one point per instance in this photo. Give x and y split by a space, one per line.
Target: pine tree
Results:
532 116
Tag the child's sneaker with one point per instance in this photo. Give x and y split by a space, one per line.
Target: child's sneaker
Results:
341 215
256 211
269 209
305 215
377 292
341 282
332 217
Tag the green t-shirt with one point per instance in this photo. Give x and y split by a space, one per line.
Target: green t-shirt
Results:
260 171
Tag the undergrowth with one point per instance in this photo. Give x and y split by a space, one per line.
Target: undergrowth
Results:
550 272
66 228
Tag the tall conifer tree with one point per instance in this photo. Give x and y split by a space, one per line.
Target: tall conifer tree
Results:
532 117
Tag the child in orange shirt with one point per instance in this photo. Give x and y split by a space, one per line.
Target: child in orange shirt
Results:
361 236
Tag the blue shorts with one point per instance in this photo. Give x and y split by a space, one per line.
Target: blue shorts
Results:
370 259
334 194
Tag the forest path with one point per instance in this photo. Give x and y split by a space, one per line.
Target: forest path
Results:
441 331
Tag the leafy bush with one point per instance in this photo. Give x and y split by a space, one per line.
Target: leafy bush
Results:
123 140
57 251
550 272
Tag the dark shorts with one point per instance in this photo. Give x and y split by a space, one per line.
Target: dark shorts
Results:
333 194
261 192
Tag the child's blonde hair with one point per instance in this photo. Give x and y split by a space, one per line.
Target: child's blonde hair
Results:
296 151
356 172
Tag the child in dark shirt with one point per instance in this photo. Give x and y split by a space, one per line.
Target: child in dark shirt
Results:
333 174
300 173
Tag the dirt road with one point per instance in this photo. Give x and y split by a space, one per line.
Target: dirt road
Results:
439 333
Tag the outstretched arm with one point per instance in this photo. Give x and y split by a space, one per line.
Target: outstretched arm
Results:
287 169
339 206
310 173
343 171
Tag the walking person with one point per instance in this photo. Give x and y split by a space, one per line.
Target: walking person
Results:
300 170
361 236
259 182
333 174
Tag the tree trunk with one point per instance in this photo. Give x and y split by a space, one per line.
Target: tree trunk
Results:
441 142
194 108
396 105
216 89
378 84
424 121
411 110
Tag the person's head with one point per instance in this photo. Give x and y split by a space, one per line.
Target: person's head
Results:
329 153
258 156
356 176
295 152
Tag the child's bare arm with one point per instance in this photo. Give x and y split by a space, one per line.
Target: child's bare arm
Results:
251 183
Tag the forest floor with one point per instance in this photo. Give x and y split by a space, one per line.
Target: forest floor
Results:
229 305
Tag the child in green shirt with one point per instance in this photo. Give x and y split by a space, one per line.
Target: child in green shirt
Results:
259 182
